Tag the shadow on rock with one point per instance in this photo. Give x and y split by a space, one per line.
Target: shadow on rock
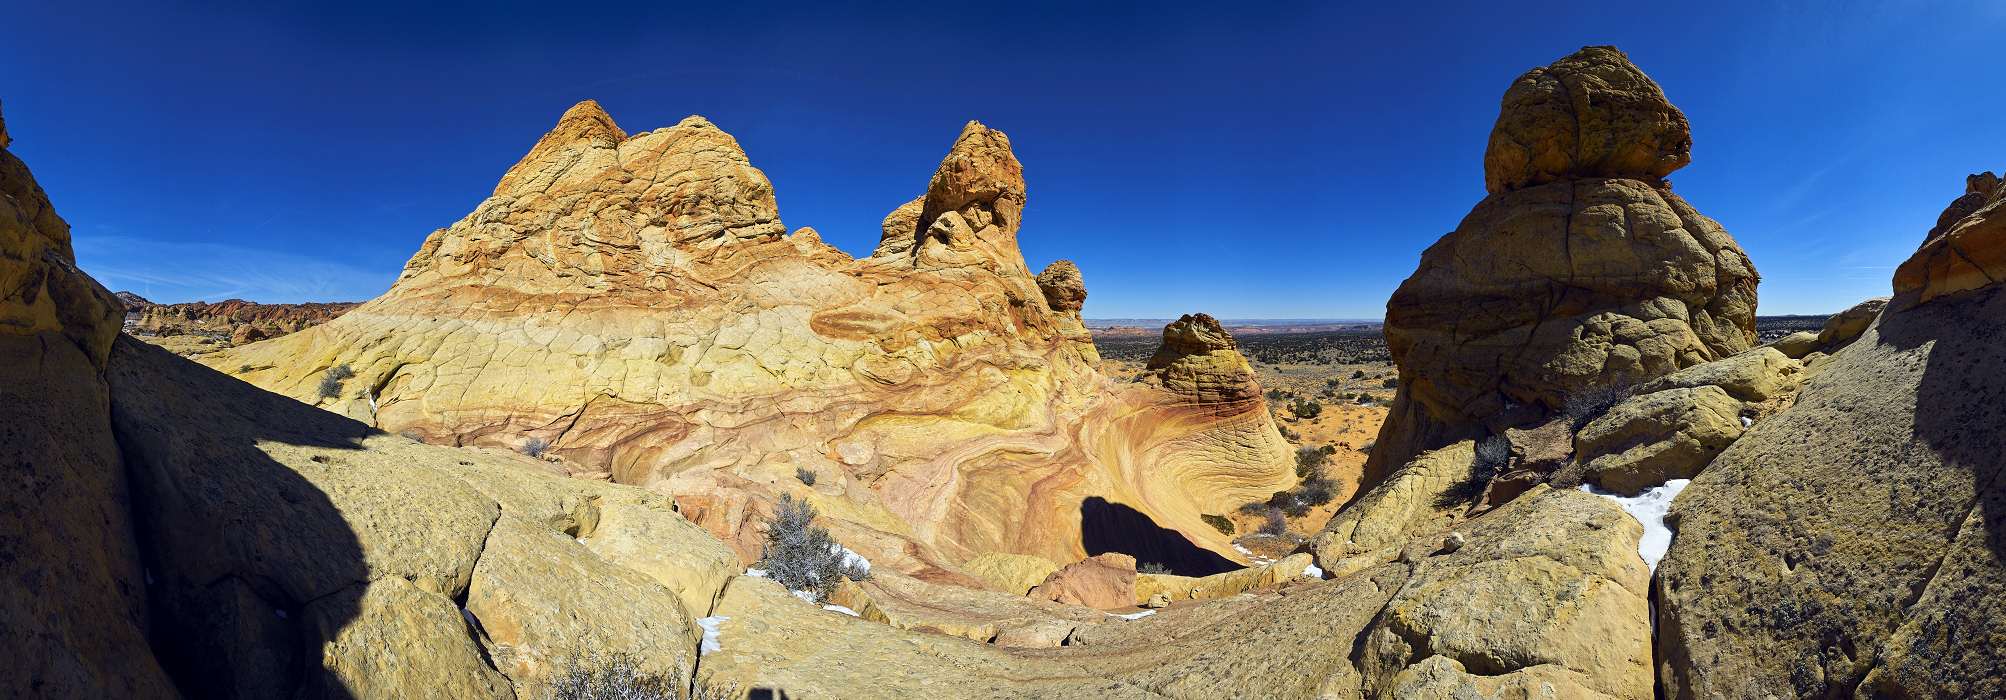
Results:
1113 527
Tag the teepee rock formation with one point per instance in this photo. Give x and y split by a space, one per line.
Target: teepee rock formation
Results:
1581 269
635 302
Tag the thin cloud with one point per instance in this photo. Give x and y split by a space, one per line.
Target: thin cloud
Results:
170 271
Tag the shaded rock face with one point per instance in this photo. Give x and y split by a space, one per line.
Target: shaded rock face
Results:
1851 546
73 596
1101 581
1965 252
635 302
1581 269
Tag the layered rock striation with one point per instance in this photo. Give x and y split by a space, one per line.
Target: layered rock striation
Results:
1581 269
635 302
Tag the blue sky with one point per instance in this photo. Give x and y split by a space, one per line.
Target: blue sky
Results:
1248 160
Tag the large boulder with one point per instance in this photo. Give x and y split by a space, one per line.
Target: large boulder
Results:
1850 545
1651 438
1199 362
1591 114
1101 581
1759 375
1846 325
1415 500
1580 270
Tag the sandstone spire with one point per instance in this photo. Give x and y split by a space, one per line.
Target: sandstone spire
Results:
584 138
1065 291
1965 251
1581 269
971 210
1200 362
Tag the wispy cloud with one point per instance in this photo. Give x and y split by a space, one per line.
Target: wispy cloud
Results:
168 271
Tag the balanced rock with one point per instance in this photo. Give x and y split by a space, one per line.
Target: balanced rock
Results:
1064 290
1849 546
1581 269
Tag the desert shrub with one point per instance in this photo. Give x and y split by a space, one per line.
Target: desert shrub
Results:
1275 525
1364 399
801 555
1358 374
330 381
1310 460
1586 405
535 447
1288 502
1304 408
1150 567
243 369
1276 394
1289 435
1317 490
620 677
806 475
1493 454
1220 523
1390 382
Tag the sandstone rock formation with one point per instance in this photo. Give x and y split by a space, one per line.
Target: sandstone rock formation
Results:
1103 581
1846 325
636 303
1580 269
1964 253
226 317
1655 437
1199 362
1850 546
73 595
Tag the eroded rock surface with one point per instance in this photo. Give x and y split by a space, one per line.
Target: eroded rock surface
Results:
1850 546
1581 269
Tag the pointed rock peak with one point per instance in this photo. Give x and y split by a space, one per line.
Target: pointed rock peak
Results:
1965 252
695 121
979 171
1065 291
584 127
1192 334
1590 114
586 120
1985 183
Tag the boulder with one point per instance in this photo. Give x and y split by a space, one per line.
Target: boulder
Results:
1650 438
1796 345
1065 291
1850 546
1758 375
1846 325
1417 499
1103 581
1581 269
1168 587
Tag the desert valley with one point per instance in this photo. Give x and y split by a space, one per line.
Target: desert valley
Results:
621 432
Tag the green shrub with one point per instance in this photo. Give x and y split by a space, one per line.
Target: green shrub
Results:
1219 522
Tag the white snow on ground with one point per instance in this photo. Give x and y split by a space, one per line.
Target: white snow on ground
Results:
1747 421
854 559
761 573
710 641
805 595
1649 508
1136 616
1313 571
841 609
1256 559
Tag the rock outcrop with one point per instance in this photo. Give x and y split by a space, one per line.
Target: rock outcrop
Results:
73 594
1963 253
227 317
1851 545
635 302
1581 269
1103 581
1199 362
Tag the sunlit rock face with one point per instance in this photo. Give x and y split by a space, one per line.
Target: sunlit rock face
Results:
1580 269
635 302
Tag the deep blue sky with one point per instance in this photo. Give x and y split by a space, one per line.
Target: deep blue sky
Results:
1245 159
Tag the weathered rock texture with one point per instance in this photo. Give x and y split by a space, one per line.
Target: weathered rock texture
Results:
1851 546
1580 269
73 598
1964 253
1200 363
636 302
1104 581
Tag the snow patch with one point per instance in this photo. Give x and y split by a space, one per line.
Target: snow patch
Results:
756 573
1747 421
1649 508
841 609
1136 616
1313 571
710 641
851 558
805 595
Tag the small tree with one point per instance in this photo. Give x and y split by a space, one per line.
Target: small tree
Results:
801 555
1305 408
535 447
